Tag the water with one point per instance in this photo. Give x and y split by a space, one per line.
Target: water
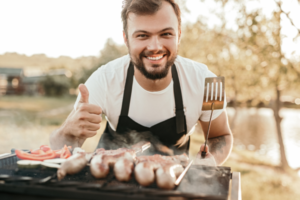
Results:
255 130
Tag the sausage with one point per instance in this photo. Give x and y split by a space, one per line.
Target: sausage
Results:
144 173
167 174
105 159
166 169
72 165
123 167
99 168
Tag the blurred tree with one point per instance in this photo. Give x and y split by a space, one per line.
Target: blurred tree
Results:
220 49
272 73
56 85
110 52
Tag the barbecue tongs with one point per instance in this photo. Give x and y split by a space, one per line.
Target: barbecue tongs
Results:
213 100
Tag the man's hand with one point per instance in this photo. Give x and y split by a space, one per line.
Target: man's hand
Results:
220 139
82 123
208 160
85 122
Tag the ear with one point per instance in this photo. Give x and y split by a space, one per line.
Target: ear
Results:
179 36
125 38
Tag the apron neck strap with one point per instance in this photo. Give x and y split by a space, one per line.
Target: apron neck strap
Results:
180 124
127 90
177 95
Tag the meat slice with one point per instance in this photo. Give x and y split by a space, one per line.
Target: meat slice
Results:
182 159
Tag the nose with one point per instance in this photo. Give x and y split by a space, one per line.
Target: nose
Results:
154 44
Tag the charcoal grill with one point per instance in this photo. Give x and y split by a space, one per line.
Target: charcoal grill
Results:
201 182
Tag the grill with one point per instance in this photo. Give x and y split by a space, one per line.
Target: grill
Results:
200 182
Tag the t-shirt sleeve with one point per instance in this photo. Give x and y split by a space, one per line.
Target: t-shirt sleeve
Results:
97 87
205 115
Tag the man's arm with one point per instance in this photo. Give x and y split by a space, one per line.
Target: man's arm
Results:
79 125
62 136
220 138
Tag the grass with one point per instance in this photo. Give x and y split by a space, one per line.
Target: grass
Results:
34 103
27 122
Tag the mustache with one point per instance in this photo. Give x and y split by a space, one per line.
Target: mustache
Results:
151 53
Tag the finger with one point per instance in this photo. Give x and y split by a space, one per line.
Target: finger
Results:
96 119
202 148
90 108
88 133
93 127
207 155
88 124
84 94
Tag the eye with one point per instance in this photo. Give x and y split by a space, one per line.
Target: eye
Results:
142 36
166 34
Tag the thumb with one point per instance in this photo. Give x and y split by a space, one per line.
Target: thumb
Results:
84 94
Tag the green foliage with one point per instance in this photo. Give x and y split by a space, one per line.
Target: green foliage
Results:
250 58
55 85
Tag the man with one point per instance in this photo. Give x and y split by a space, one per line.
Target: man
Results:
151 90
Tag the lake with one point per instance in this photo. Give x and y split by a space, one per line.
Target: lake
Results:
255 130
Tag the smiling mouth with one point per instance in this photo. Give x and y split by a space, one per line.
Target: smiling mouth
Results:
155 58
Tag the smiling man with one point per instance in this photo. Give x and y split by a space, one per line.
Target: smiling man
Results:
151 90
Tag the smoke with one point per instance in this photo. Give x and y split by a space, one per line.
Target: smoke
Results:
129 138
205 161
206 180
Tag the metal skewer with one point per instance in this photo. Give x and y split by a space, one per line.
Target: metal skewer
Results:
183 173
143 148
203 153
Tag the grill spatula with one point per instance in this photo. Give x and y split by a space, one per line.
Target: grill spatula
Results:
213 99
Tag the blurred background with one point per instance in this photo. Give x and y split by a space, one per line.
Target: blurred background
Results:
47 48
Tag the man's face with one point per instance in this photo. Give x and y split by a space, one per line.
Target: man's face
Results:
153 41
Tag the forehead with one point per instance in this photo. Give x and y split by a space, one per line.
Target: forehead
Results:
165 17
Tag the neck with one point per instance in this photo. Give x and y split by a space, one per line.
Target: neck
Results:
152 85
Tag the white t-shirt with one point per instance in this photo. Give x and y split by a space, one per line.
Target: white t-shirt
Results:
106 87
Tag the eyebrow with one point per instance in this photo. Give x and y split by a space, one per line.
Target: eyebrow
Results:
143 31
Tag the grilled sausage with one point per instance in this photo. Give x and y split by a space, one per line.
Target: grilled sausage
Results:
144 173
105 159
72 165
99 166
167 174
123 169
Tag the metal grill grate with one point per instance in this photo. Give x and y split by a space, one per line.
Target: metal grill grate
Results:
200 182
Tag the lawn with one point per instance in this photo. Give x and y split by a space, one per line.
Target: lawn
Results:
26 122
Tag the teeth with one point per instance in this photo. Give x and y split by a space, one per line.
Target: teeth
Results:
154 58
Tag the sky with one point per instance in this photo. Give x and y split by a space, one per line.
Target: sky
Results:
80 28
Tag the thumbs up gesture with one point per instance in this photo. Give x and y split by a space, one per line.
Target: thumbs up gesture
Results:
84 94
85 121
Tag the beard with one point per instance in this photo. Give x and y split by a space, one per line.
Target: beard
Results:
138 62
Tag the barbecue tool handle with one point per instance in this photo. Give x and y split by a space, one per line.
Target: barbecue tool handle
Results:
179 179
203 153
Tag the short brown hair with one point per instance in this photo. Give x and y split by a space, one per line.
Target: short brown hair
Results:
146 7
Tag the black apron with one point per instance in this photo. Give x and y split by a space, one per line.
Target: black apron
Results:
129 132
